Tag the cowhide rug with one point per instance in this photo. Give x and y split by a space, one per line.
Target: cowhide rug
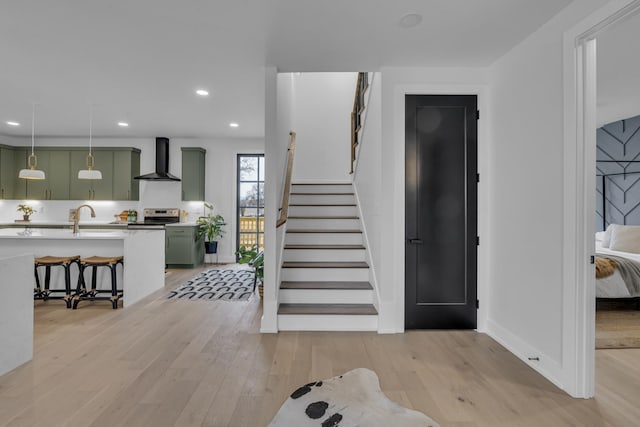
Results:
350 400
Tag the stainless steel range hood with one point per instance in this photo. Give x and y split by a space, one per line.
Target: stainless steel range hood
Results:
162 163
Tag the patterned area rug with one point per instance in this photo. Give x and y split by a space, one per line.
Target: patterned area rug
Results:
216 284
350 400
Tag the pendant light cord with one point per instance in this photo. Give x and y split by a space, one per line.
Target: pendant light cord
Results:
90 126
33 126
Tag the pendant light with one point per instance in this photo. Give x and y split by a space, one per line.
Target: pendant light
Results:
32 172
89 172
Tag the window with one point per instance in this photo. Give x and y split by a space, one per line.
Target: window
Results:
250 200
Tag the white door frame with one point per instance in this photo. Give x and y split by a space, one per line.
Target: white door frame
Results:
578 355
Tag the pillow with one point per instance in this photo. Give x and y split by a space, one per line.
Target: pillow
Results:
606 239
625 238
599 236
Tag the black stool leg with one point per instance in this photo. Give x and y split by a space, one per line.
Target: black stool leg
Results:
114 289
47 279
94 280
67 284
38 291
81 287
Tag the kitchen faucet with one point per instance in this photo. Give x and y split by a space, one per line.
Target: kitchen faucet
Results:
76 217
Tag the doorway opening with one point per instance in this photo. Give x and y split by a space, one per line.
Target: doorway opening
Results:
580 190
250 203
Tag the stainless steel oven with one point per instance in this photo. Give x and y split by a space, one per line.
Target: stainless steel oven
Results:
156 218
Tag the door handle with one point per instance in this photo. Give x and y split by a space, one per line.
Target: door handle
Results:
415 241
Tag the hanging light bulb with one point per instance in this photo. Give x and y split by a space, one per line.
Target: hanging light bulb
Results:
32 172
89 172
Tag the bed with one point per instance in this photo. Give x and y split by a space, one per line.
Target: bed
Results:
608 246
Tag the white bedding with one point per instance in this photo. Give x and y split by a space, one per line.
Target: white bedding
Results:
613 286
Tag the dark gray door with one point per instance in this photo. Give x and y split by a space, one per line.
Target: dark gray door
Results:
441 211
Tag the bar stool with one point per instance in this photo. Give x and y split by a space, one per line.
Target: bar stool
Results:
54 261
94 262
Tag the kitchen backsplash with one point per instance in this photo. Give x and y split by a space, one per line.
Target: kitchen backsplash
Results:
58 210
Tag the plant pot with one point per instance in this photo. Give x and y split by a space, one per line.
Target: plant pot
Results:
211 247
25 217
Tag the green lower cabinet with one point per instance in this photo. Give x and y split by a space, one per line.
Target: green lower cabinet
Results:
183 246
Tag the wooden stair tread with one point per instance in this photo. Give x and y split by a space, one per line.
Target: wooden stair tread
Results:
327 285
325 264
323 230
323 247
325 309
324 217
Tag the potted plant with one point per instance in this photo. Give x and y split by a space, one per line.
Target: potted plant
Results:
26 211
254 258
211 226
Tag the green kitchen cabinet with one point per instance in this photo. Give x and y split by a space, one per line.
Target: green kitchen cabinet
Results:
183 246
55 164
92 189
126 166
193 173
11 187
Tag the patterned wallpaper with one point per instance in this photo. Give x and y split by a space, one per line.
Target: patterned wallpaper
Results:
618 144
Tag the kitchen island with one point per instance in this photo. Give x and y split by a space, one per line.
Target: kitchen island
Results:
143 252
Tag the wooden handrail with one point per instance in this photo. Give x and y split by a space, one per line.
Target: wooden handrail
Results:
356 114
284 208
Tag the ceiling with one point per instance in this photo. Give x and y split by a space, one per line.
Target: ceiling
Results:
141 61
618 73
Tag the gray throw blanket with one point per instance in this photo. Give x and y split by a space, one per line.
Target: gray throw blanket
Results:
629 270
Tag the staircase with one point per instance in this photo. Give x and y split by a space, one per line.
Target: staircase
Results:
324 276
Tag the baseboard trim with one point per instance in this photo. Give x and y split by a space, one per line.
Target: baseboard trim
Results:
546 366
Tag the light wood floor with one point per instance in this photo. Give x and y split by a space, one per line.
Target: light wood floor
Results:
191 363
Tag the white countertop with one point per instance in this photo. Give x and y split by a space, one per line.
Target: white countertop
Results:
57 234
45 223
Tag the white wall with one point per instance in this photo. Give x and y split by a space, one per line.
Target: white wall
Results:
396 83
220 187
526 244
367 180
322 120
279 115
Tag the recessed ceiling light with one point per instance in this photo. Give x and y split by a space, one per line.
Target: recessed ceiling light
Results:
202 92
123 124
10 123
410 20
233 125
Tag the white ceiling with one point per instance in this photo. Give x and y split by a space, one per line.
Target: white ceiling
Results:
142 60
618 75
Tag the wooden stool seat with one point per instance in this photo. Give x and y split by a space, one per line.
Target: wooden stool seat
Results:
102 260
82 293
53 261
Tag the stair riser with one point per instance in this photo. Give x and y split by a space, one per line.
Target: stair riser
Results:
311 322
325 296
323 224
325 188
321 199
324 274
324 238
323 211
324 255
